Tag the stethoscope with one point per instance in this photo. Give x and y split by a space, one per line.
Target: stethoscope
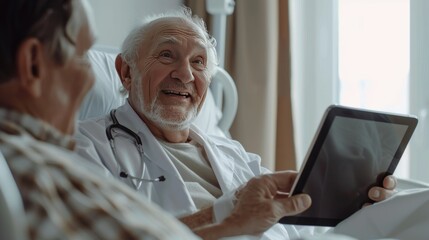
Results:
139 145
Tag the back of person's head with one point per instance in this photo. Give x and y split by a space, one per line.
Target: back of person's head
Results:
131 46
43 69
46 20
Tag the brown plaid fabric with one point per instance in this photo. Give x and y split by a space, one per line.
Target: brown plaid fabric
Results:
65 198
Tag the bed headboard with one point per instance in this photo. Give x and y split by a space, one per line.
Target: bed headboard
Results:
214 118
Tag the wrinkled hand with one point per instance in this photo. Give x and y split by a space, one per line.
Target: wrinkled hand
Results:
264 200
378 194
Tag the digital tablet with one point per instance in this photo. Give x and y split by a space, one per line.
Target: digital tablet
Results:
352 150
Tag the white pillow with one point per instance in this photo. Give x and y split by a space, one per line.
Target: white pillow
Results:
105 94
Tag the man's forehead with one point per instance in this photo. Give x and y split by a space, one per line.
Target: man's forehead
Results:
173 39
175 27
176 32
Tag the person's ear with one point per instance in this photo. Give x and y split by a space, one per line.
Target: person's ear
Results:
31 66
124 72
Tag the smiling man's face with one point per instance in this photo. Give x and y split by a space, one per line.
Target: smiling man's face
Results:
171 80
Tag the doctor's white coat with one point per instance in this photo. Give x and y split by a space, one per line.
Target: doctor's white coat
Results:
232 165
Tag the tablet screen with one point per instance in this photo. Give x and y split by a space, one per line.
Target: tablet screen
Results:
354 150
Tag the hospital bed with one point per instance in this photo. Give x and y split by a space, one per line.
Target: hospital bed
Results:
215 118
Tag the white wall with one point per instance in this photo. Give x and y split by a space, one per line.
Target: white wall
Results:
115 18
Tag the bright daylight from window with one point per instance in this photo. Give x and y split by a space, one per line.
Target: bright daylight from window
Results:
374 57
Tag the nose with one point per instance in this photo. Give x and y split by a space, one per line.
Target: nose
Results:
183 72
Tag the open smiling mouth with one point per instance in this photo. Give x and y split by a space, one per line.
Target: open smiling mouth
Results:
177 93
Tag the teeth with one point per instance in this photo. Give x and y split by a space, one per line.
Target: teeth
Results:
177 93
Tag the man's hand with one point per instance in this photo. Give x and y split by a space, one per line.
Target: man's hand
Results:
378 194
260 204
264 200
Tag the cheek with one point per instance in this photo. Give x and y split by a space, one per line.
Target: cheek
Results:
202 84
79 80
83 80
143 90
147 66
88 77
152 74
147 89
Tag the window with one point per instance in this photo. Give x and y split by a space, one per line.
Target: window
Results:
374 57
363 53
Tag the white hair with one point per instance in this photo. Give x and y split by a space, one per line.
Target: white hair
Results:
133 42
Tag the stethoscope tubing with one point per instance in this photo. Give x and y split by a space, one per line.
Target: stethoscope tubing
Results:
137 139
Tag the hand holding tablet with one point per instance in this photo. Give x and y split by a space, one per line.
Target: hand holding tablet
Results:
353 150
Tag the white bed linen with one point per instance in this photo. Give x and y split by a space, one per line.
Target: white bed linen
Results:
403 216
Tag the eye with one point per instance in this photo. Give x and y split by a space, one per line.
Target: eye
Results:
199 63
165 54
165 57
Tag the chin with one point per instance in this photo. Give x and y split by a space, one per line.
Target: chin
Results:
170 117
172 120
173 126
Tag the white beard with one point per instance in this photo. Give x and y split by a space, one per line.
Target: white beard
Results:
158 114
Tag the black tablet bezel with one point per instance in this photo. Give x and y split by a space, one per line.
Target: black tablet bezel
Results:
329 116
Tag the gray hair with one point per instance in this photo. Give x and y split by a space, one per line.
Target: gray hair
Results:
51 21
132 43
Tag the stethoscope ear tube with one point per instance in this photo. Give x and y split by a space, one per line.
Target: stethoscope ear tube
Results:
116 124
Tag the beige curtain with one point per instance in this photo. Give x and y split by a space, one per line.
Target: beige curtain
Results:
258 58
